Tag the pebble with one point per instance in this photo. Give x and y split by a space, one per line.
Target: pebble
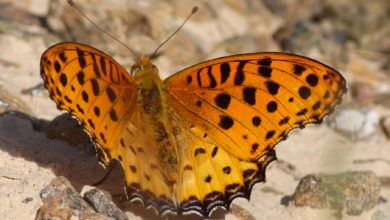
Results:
102 202
354 191
356 123
62 201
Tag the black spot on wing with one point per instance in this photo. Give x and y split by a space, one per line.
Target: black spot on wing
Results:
214 151
227 169
199 151
111 94
316 105
265 71
270 134
81 58
298 69
81 110
62 57
198 78
249 95
57 66
222 100
256 121
96 70
189 79
225 122
133 168
302 112
113 115
265 61
59 93
63 79
95 87
239 77
188 168
213 82
81 77
272 106
225 72
207 179
254 147
85 97
103 65
304 92
284 120
272 87
96 110
326 95
312 79
90 122
67 99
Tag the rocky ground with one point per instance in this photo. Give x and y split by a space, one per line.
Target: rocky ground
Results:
351 35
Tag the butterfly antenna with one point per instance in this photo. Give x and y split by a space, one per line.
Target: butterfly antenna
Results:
194 10
73 4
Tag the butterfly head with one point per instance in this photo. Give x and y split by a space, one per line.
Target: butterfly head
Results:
143 66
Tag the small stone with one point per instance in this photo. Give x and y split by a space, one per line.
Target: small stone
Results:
27 200
355 191
62 201
102 202
356 123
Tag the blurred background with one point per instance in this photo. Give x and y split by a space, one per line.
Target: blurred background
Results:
353 36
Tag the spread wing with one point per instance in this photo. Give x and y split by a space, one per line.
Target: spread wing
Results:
234 110
100 93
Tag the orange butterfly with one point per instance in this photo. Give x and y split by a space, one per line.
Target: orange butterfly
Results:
200 138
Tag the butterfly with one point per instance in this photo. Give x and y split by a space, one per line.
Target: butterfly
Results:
200 138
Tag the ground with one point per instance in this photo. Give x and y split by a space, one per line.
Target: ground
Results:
353 39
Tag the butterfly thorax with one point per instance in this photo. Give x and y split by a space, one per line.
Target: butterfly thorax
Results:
155 112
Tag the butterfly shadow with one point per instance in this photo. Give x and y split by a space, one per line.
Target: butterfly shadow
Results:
59 145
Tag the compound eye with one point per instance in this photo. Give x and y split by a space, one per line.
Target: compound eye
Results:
134 69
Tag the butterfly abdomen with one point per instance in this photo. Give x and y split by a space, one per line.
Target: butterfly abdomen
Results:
155 113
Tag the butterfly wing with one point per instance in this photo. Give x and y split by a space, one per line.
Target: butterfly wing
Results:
241 106
101 94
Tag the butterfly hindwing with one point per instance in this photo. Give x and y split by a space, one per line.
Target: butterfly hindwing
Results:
209 176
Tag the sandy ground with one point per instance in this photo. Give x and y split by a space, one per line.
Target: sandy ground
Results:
29 160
